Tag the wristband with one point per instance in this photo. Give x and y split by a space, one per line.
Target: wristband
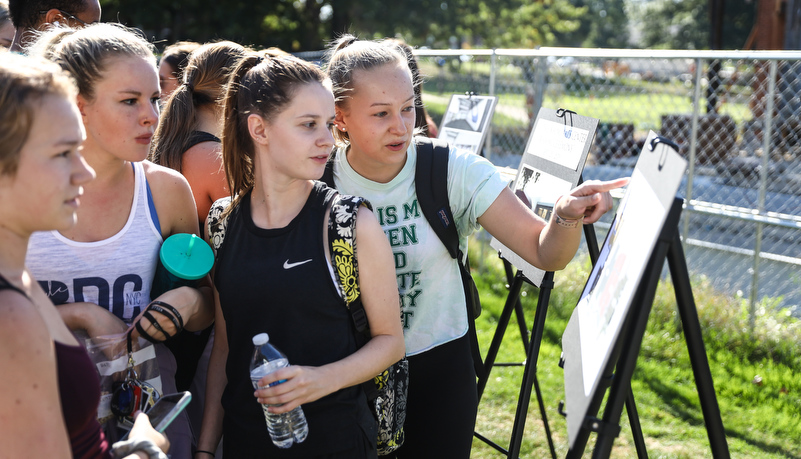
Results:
565 222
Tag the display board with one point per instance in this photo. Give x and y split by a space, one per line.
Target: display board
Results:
550 167
467 120
594 330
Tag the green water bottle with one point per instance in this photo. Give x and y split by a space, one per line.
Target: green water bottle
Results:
184 259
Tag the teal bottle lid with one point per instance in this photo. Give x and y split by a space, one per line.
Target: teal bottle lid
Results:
186 256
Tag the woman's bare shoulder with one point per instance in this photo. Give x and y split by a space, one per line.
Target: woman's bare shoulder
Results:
163 177
173 198
23 331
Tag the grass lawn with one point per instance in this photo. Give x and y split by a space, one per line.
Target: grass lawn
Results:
643 110
614 100
753 372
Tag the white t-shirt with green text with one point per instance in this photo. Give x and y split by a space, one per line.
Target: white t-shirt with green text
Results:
433 309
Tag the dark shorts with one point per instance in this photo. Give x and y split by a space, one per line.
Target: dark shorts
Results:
442 404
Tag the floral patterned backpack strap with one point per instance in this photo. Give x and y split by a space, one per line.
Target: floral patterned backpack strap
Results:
216 223
387 392
342 243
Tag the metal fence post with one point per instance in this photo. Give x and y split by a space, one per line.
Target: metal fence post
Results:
488 147
493 70
767 141
540 83
693 142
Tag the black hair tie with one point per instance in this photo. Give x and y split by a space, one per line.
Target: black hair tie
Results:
164 309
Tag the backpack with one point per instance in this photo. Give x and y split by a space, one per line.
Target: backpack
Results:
386 393
431 185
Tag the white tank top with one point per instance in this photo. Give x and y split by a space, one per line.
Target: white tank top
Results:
115 273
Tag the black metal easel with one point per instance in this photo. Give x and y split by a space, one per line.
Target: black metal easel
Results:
567 169
668 247
531 347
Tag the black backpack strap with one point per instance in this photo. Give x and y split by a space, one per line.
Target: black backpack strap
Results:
431 184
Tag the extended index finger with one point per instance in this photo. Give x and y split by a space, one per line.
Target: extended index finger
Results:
600 187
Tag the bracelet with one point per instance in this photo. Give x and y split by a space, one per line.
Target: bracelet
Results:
206 452
565 222
124 448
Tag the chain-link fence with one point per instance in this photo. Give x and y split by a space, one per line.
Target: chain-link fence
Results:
736 116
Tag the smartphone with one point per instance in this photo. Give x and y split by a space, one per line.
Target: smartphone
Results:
165 410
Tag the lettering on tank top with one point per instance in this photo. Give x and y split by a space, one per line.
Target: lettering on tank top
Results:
126 293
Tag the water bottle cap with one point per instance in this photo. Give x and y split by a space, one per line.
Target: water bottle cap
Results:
186 256
261 339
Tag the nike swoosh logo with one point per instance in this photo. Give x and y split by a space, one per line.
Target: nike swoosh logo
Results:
288 265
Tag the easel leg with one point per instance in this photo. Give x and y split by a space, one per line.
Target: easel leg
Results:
695 345
630 349
636 429
521 324
530 373
497 338
521 319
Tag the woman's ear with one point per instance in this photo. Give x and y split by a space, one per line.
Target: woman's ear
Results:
81 102
339 120
257 127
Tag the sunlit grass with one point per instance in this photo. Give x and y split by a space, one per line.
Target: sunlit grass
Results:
753 373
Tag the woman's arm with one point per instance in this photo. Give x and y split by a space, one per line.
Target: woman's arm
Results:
30 405
95 320
548 245
202 167
216 380
379 294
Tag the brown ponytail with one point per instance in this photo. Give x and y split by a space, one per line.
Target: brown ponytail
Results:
204 80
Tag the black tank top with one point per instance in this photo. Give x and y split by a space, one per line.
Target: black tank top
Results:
197 137
277 281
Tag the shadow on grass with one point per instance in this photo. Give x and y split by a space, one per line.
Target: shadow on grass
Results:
688 410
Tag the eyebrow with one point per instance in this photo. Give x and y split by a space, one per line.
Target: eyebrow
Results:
135 93
67 143
378 104
313 116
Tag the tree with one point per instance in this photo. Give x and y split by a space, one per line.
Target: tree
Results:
485 23
685 24
290 25
298 25
605 25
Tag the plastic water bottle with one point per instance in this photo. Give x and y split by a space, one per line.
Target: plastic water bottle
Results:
285 428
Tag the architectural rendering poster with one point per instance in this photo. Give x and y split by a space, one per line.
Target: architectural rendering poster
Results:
466 121
560 143
544 174
613 282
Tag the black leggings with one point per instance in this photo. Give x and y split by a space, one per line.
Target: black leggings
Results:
442 404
